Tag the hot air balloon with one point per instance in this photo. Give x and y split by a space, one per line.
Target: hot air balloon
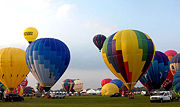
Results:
47 59
78 85
176 82
109 89
175 63
128 54
157 72
30 34
99 40
105 81
68 85
24 83
167 84
13 67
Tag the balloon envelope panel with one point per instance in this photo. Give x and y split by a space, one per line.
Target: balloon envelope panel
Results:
128 54
157 72
47 58
13 68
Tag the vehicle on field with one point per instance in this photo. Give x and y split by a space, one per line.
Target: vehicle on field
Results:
116 95
12 97
57 95
161 96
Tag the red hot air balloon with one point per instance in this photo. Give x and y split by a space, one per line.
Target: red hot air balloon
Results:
105 81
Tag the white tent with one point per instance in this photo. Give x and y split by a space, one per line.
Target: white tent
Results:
91 91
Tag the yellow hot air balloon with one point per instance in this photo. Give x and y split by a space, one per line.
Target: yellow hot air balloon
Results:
30 34
13 68
109 89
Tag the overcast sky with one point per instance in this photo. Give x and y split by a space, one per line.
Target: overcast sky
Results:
75 22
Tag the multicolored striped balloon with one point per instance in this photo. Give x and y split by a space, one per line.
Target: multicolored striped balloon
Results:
157 72
169 79
99 40
175 63
68 85
128 54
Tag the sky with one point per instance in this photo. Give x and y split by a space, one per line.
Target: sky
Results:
76 22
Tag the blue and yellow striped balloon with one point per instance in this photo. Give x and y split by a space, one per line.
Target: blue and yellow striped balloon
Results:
128 54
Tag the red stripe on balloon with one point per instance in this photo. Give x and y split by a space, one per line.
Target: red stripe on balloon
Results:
129 74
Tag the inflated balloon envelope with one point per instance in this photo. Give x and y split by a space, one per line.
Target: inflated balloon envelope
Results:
128 54
13 68
30 34
47 59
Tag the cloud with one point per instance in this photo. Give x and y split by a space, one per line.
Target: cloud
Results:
101 27
64 11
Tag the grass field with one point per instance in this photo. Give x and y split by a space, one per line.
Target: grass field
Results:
90 101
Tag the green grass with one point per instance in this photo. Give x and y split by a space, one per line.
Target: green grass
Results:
90 101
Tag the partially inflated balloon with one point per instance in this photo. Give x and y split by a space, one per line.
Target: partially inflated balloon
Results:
176 82
105 81
117 82
128 54
157 72
78 85
109 89
99 40
47 58
175 63
68 85
167 84
13 68
30 34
